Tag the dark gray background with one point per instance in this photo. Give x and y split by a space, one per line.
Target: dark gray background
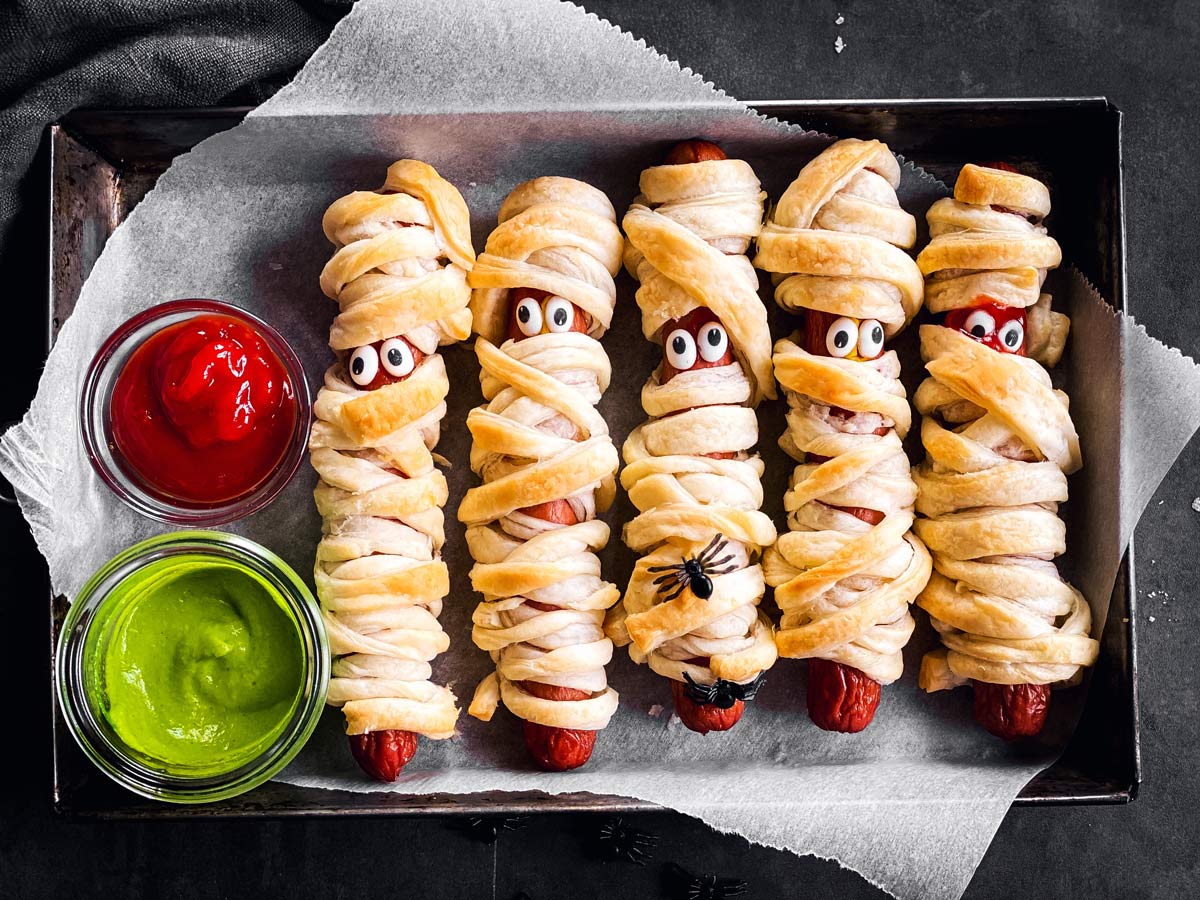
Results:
1144 57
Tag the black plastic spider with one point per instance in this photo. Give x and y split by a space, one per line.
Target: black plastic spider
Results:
617 839
487 829
694 573
721 693
684 885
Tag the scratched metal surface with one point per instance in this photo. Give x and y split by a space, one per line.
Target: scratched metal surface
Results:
104 162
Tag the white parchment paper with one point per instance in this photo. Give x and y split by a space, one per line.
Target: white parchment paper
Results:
493 94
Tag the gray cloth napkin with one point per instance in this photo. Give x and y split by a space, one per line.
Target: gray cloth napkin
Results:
59 55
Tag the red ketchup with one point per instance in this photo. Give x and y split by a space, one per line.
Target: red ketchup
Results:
203 411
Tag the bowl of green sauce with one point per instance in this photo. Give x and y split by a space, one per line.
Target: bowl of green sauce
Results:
193 666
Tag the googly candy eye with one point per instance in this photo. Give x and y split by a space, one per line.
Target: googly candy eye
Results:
842 337
870 339
1012 336
681 349
364 365
560 314
979 324
712 342
397 357
529 317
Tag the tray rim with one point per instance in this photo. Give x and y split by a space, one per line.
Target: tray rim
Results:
539 802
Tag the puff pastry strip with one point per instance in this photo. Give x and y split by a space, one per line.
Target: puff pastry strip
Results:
399 276
1000 443
545 457
848 568
691 470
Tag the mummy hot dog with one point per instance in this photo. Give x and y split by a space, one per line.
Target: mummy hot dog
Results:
399 276
543 296
690 610
999 444
847 570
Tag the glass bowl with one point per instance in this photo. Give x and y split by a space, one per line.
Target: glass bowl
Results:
95 407
82 647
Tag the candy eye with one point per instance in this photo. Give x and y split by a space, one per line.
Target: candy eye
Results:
681 349
560 314
713 342
397 357
529 317
870 339
979 324
364 365
1012 335
842 337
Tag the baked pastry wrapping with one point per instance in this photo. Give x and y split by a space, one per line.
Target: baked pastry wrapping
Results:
849 566
999 442
690 610
543 297
399 276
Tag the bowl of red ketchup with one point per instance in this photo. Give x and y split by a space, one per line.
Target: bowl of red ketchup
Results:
195 412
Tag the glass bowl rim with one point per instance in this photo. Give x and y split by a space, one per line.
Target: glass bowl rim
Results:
156 506
82 719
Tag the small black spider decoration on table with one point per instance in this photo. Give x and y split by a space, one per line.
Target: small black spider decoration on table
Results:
695 573
618 840
721 693
683 885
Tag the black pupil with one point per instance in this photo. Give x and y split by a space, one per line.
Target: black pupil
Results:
714 337
396 357
841 338
357 365
560 315
877 334
523 313
978 331
679 345
1010 337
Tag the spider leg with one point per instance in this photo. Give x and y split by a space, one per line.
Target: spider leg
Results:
701 693
724 570
749 690
667 568
661 579
714 546
679 590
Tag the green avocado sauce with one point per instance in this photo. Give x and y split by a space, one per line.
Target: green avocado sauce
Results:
197 664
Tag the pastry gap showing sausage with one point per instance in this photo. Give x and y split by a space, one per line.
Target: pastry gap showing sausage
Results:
533 312
383 754
1009 711
381 677
840 697
699 340
1002 328
1005 709
380 363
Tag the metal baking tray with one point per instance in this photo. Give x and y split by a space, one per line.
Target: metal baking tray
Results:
102 162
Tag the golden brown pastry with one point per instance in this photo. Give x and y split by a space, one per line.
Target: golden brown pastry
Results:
1000 443
399 276
690 610
543 297
848 568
